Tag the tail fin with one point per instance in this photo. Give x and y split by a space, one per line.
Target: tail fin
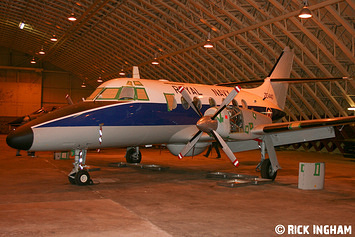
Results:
136 72
276 92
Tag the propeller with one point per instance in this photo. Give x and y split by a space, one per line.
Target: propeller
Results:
209 125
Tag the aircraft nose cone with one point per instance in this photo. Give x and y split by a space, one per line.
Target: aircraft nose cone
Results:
21 138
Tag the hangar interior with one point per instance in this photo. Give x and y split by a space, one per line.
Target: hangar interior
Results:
44 56
109 37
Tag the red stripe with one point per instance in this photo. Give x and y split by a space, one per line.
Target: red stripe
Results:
236 163
237 88
181 89
180 156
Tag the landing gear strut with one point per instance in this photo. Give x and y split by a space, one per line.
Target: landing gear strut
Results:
268 167
79 175
133 155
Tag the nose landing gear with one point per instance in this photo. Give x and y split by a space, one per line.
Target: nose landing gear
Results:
79 175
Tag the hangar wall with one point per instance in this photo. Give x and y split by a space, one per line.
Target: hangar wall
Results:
26 87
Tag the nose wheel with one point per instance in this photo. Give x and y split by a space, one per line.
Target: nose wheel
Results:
80 178
79 175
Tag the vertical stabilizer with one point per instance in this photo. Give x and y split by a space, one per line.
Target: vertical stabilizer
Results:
136 72
276 92
283 66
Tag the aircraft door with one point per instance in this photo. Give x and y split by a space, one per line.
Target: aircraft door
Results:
236 119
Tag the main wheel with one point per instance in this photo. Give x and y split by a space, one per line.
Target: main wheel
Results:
132 156
266 170
82 178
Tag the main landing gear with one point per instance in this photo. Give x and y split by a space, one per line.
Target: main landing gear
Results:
133 155
79 175
268 167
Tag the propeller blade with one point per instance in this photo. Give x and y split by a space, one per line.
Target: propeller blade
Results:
190 144
225 148
188 99
227 100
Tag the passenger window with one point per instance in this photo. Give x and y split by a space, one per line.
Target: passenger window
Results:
170 101
212 102
129 83
197 102
184 103
127 93
141 94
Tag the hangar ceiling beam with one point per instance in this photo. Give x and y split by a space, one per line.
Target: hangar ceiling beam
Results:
326 52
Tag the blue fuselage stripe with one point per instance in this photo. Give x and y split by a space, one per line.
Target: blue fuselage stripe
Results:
132 114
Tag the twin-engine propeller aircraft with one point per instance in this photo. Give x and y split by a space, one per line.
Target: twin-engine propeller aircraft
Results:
130 112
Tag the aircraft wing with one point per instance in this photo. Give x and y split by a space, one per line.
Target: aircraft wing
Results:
298 125
292 132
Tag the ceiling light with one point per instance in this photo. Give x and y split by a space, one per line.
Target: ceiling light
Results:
83 85
42 51
33 61
122 73
155 61
305 13
54 38
99 80
21 25
72 17
351 108
208 44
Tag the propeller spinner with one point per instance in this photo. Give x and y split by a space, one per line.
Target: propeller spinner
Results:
209 125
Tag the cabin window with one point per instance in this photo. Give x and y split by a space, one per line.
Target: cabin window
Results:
212 102
141 94
129 83
94 94
235 103
197 102
170 101
127 93
184 103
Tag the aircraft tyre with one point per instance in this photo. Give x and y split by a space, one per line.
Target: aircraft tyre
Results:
71 178
132 156
82 178
266 170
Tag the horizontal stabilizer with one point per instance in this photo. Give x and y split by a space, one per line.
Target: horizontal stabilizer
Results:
287 80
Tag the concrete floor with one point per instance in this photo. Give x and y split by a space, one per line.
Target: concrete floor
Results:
36 198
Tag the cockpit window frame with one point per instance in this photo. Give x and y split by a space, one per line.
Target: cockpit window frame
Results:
110 99
96 93
136 94
140 94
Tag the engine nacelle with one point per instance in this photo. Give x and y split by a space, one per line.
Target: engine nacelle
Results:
243 120
223 128
175 149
